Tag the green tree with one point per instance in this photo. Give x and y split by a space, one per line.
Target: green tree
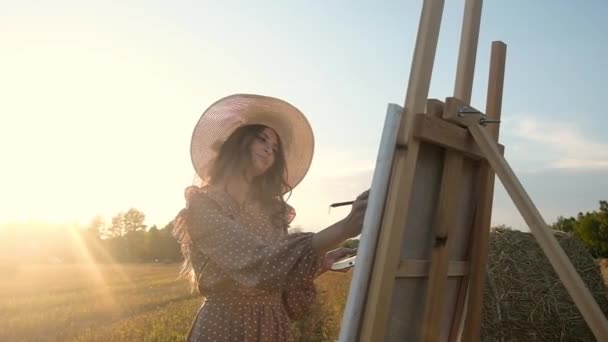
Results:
170 249
96 227
565 224
123 223
154 244
133 221
92 237
592 228
135 246
117 228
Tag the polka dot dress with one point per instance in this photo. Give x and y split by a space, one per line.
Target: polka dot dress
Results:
254 276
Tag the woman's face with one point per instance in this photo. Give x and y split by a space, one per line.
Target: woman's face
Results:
263 151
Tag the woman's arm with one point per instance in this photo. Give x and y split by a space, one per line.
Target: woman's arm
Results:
332 237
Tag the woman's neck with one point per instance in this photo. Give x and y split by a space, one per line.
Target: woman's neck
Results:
238 188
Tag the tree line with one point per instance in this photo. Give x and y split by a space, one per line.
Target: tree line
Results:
125 239
128 239
590 227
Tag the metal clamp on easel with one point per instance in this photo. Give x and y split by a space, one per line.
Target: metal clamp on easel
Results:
472 111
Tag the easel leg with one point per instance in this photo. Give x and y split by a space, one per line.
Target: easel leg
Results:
373 327
481 233
541 231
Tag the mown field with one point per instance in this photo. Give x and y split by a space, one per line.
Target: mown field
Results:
127 303
130 303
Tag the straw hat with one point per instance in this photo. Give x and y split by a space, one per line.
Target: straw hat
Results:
223 117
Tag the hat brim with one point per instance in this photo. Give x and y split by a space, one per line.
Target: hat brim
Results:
224 116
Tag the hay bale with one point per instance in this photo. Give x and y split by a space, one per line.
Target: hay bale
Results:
524 300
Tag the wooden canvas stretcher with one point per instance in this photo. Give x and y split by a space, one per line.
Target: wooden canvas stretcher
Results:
421 261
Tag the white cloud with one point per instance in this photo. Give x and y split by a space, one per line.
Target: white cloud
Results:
337 174
567 173
557 144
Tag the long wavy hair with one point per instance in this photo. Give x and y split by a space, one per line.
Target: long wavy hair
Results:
234 156
233 160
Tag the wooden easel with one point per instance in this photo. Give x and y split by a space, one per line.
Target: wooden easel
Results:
420 271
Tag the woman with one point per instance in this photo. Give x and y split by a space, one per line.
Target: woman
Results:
249 151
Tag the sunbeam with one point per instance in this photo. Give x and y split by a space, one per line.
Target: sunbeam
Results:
91 268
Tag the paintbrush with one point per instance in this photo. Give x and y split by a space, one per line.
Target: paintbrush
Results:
340 204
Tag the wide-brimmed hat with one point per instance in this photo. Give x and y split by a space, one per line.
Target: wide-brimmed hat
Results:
224 116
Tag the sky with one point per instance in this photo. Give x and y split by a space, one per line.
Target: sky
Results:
98 100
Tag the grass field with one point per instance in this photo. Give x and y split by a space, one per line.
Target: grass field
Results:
131 303
126 303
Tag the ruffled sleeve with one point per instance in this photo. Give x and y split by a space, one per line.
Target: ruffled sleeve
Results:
299 299
298 296
242 256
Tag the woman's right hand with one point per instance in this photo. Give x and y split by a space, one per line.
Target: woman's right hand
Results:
354 220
